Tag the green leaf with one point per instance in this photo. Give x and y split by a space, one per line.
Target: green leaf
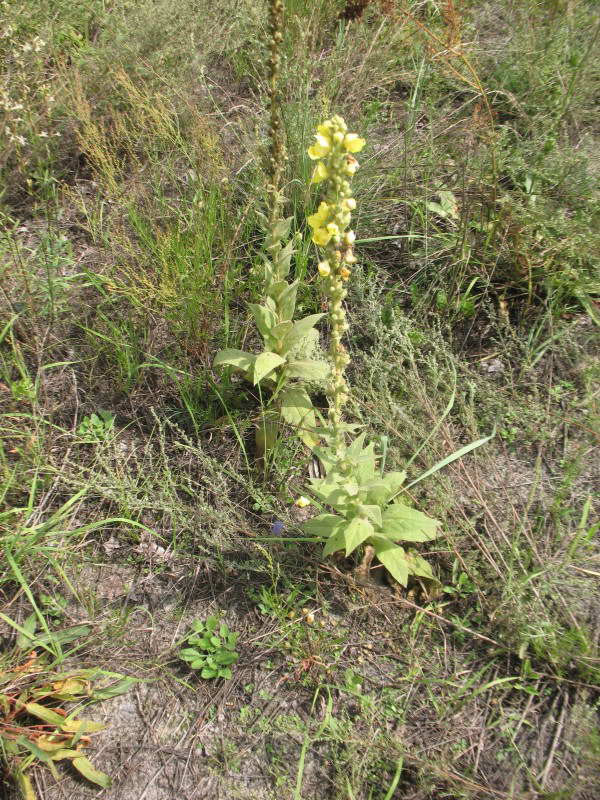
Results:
265 319
299 331
225 658
405 524
308 370
337 541
366 468
420 567
373 513
120 687
393 559
297 410
265 364
89 771
281 229
324 525
189 653
286 298
280 331
25 786
225 672
27 632
207 672
65 636
356 532
199 662
235 358
45 714
82 726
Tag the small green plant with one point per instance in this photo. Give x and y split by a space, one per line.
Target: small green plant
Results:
96 428
211 649
368 514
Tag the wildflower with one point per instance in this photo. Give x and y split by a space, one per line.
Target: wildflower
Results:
349 203
324 269
344 273
319 219
302 502
277 528
333 229
353 143
320 148
349 237
351 165
321 237
320 173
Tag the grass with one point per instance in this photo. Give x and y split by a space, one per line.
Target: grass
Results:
129 248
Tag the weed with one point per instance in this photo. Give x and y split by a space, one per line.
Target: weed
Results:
211 649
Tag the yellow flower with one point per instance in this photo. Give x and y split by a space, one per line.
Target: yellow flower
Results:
333 229
349 237
302 502
324 269
351 165
344 273
321 237
320 173
325 128
349 203
320 148
353 143
319 219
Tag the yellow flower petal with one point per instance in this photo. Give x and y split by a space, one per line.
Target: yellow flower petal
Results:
320 173
302 502
353 143
321 237
316 151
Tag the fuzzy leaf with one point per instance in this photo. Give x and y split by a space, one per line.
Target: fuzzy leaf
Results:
283 258
281 229
420 567
234 358
308 370
356 532
287 300
336 541
265 364
297 410
300 329
324 525
373 513
89 771
332 493
280 331
402 523
264 317
393 558
380 490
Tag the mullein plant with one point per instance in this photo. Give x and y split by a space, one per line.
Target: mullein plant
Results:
282 367
368 513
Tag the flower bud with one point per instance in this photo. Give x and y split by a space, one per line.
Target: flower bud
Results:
324 269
